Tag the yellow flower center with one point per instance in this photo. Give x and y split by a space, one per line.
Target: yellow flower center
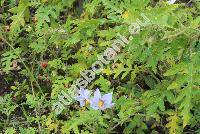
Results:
125 15
100 103
87 102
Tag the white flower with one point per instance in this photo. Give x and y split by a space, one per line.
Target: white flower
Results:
84 97
171 1
100 102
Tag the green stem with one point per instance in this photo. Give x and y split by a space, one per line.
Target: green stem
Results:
31 75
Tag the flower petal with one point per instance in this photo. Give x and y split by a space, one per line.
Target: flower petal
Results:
97 94
94 103
86 94
82 103
81 91
171 1
78 98
107 98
